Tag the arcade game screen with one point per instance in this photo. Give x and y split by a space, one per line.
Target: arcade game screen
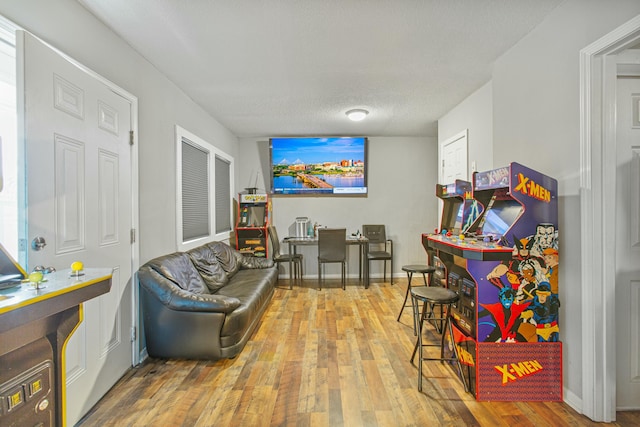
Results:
458 223
10 273
500 217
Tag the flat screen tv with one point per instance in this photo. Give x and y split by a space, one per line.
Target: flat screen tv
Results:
329 166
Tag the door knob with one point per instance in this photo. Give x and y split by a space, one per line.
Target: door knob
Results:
38 243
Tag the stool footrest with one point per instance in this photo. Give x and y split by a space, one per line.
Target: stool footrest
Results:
450 359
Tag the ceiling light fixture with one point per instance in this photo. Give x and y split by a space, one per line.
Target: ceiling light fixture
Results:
357 114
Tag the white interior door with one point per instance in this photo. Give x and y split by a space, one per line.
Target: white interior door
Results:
453 159
453 162
79 200
628 244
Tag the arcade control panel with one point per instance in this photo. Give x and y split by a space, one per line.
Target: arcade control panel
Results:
477 248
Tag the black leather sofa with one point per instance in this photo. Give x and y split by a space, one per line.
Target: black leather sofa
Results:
204 303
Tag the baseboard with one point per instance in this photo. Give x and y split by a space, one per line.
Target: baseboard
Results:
573 400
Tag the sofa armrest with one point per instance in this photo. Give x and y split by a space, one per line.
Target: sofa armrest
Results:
175 298
186 301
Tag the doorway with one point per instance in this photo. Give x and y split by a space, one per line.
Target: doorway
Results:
627 231
454 159
115 115
598 205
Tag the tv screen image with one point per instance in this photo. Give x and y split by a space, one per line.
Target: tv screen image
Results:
319 166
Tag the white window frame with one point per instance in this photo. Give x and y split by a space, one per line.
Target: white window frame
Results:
213 152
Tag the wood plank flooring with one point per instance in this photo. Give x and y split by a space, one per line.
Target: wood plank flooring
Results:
319 358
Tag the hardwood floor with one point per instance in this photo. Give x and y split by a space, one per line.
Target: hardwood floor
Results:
319 358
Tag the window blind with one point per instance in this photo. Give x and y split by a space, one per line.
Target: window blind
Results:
195 191
222 169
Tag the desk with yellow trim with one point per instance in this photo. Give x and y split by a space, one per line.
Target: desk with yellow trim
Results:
35 326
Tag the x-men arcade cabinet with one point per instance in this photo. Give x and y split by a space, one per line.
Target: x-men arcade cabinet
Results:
505 269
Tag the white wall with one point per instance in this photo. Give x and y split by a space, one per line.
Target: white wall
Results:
475 113
69 27
536 122
402 177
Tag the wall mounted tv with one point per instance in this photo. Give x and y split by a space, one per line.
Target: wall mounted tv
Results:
319 166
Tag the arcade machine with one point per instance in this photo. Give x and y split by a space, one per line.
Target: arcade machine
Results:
459 211
37 317
252 224
504 267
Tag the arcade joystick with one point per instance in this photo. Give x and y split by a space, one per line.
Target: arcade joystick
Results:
36 278
77 268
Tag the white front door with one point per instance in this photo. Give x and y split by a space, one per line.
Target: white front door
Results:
628 244
79 200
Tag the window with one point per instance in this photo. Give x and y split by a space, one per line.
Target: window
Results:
204 189
223 194
195 191
11 190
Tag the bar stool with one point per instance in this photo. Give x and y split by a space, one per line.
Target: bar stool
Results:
410 269
430 297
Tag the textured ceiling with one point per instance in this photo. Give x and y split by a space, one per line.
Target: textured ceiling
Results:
293 67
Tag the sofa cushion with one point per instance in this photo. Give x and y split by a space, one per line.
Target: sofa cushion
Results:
206 262
255 262
178 268
228 257
254 288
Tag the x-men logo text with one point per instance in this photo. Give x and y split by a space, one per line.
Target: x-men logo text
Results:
514 371
465 357
530 188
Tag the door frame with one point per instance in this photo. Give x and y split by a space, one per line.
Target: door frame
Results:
598 73
136 355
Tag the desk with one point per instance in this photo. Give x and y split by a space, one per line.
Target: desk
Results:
363 242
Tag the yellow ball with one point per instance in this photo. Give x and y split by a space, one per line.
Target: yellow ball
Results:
77 266
35 277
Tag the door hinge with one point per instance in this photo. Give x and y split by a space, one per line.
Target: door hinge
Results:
133 235
130 137
133 333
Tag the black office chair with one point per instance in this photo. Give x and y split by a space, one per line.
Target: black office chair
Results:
281 258
380 248
332 248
